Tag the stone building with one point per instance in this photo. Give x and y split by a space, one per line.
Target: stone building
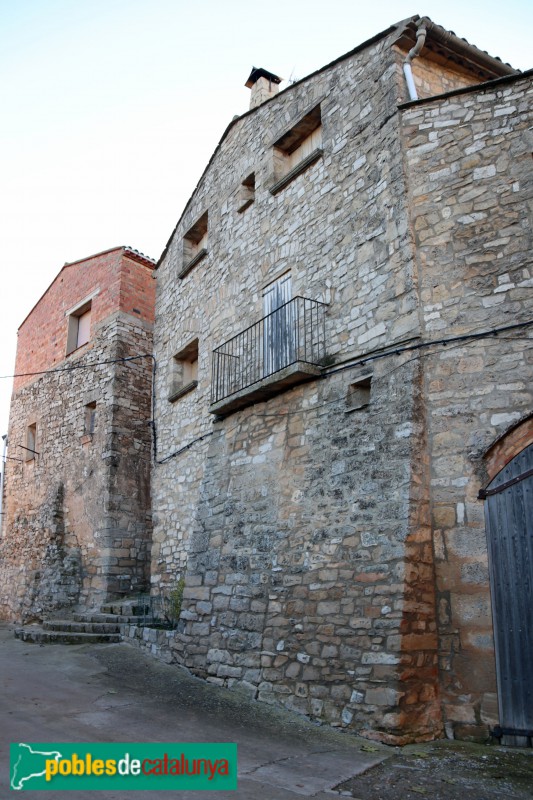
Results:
332 395
77 522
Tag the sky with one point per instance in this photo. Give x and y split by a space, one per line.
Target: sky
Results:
110 110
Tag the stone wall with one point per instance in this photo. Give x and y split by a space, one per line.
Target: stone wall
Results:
301 525
155 642
41 569
307 576
470 175
334 551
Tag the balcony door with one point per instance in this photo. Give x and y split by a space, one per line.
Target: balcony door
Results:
279 332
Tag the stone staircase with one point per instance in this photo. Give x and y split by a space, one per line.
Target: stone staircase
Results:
90 627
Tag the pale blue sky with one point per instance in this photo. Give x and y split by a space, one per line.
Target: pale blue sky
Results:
110 110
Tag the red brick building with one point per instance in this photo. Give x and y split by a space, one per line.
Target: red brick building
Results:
77 524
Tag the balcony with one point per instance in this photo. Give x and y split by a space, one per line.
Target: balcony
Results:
280 350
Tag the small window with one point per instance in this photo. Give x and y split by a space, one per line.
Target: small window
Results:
184 371
297 149
194 245
246 195
79 328
90 418
358 396
31 442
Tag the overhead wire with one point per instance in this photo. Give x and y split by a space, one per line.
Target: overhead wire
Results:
77 366
417 347
450 343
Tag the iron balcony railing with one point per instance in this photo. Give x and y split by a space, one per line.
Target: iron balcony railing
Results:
294 332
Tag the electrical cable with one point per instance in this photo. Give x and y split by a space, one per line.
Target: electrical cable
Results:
430 343
77 366
455 341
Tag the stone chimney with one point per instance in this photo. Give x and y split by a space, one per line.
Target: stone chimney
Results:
263 84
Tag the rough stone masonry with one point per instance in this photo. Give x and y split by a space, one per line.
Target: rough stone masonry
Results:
337 379
77 527
330 537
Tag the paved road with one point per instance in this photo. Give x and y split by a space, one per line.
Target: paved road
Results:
114 693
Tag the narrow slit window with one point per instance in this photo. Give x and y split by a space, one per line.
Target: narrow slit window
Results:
31 442
90 418
246 195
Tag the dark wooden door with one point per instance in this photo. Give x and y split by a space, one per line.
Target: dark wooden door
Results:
509 522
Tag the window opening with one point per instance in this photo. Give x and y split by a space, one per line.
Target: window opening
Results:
358 396
90 418
184 371
84 328
194 245
31 442
297 149
246 195
79 328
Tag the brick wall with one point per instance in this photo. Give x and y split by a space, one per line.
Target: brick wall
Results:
118 282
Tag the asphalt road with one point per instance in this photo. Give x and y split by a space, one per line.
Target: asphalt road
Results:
114 693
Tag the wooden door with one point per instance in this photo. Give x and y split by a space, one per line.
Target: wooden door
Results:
509 522
279 332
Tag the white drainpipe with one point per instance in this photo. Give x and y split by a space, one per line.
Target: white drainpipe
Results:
407 71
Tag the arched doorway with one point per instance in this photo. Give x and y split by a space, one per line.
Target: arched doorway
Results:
509 523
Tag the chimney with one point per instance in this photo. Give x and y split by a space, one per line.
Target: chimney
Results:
263 84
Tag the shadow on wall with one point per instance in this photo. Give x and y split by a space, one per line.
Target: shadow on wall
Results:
51 576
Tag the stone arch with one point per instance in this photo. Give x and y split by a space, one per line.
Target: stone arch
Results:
507 446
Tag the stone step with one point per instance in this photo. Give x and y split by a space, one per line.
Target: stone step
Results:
119 619
37 635
128 608
69 626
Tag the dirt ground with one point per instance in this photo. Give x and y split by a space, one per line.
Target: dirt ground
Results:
447 771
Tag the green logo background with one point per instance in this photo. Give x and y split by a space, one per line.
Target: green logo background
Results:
28 763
